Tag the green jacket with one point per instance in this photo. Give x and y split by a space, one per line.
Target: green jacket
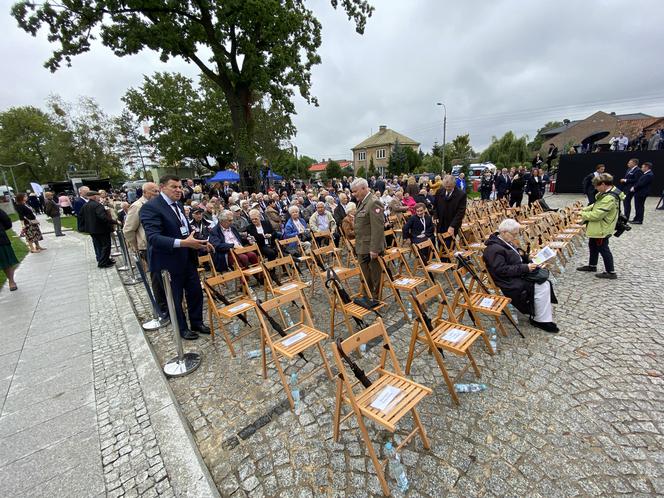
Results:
602 215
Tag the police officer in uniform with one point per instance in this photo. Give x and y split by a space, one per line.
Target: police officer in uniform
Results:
369 233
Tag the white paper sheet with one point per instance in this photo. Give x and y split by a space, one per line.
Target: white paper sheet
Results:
454 335
545 254
294 338
287 287
385 397
404 281
486 302
239 307
435 266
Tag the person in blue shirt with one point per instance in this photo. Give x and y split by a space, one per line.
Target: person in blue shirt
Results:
461 182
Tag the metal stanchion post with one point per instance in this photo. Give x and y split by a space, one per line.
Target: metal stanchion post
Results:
116 252
157 321
125 255
183 363
132 280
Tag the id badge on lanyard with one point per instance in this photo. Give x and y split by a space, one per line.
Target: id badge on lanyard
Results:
184 231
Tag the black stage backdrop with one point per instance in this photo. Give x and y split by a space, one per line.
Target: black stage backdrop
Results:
574 167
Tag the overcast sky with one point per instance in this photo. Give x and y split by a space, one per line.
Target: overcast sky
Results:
497 65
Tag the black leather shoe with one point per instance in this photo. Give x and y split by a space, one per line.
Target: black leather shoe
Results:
587 268
606 274
189 335
201 329
634 222
550 327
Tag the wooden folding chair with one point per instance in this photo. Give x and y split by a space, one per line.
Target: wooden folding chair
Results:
206 264
290 278
307 259
349 310
386 401
300 337
427 259
445 335
239 304
476 304
397 280
253 270
328 257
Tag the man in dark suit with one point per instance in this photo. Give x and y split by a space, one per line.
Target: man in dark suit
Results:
631 177
172 246
534 186
502 183
641 189
98 223
450 207
78 203
380 185
419 228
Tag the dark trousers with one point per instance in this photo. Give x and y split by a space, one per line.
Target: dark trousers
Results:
372 273
485 195
500 195
187 285
601 246
591 198
515 199
532 198
639 207
102 243
157 286
627 203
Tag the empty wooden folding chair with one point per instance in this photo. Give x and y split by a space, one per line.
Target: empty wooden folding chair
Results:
427 260
289 280
477 303
385 400
299 337
438 334
397 280
343 296
205 266
255 270
226 304
307 259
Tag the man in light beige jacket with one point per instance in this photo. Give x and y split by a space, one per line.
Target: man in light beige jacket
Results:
137 242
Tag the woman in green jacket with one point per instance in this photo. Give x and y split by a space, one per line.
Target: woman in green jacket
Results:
601 218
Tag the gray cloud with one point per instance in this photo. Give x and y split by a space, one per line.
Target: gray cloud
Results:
499 65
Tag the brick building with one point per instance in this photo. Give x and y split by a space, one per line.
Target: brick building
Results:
379 147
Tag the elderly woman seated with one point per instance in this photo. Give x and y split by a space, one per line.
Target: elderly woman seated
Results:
295 227
509 267
348 223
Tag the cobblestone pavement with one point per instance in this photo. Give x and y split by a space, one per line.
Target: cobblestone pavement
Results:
84 410
576 413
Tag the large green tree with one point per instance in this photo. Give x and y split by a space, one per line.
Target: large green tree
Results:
538 141
250 49
507 150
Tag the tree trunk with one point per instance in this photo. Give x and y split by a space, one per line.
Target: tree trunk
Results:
243 126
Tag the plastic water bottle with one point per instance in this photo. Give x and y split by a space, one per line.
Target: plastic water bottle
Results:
235 328
514 313
493 338
295 392
396 467
289 320
409 310
255 353
363 348
470 388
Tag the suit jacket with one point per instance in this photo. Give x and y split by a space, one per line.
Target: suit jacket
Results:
642 185
339 214
94 219
502 184
631 177
413 229
132 229
260 238
450 212
534 187
78 203
221 247
380 186
162 227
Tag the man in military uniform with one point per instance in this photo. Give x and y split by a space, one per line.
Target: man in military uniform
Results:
369 233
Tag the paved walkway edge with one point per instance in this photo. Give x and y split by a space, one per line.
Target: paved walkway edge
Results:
184 464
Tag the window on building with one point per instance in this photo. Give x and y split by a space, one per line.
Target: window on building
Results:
380 154
362 156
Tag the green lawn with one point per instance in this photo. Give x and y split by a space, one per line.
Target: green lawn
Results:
20 249
67 222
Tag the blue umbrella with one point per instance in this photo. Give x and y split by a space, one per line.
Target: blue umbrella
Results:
273 176
224 176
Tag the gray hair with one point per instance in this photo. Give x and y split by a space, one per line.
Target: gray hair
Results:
226 215
509 225
359 183
449 180
293 209
329 198
351 207
255 212
319 204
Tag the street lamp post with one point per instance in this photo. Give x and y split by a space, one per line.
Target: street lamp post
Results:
444 134
11 168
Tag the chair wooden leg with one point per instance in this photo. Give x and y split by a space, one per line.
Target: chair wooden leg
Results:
211 321
327 365
263 355
423 434
471 358
411 348
446 376
227 338
380 471
337 410
501 327
282 377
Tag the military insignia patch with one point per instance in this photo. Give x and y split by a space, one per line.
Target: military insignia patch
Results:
378 210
